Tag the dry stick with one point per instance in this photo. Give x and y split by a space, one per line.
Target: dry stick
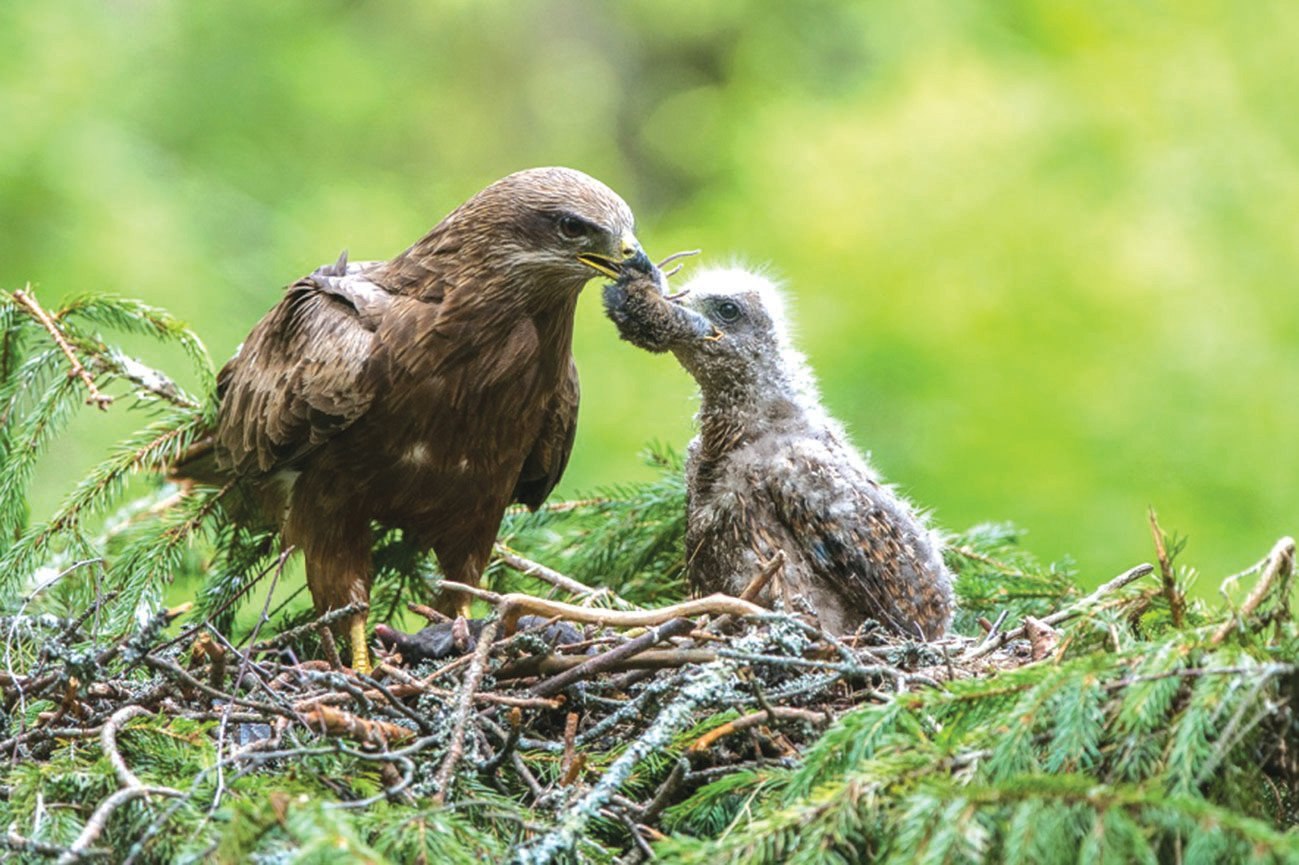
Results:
666 791
411 685
1123 579
461 715
28 301
566 770
1176 600
99 819
759 582
605 661
773 566
507 747
515 604
753 719
428 612
574 818
176 672
550 665
17 842
1280 563
108 741
132 788
325 619
529 568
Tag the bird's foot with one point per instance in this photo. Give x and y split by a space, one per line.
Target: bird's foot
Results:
360 651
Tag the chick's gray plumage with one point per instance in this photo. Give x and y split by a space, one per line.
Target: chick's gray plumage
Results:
770 470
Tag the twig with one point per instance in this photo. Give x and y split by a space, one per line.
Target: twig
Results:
631 709
324 619
27 300
368 731
1168 577
529 568
185 678
529 779
570 733
677 714
753 719
974 555
132 788
1280 563
108 741
461 715
411 685
429 614
665 792
515 604
189 632
773 566
1129 576
550 665
404 781
607 660
507 747
14 841
642 846
99 819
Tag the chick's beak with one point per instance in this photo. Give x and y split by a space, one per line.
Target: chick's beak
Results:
629 255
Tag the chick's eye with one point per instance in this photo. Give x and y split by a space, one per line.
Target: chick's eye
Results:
728 310
573 228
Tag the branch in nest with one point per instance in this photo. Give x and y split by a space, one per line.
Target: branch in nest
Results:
768 715
529 568
997 640
513 605
550 665
463 707
335 722
27 301
132 788
607 660
1280 564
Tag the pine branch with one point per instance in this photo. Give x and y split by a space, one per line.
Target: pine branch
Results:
27 301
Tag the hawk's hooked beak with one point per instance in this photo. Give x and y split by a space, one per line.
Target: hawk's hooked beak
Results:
632 256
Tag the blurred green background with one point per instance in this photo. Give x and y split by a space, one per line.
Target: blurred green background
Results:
1042 253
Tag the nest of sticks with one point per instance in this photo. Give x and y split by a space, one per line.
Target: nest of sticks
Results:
565 726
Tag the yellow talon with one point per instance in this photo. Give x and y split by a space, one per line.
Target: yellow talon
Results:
360 651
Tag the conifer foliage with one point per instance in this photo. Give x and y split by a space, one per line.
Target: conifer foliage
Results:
1128 724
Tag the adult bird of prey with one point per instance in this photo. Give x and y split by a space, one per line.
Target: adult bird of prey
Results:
425 393
771 471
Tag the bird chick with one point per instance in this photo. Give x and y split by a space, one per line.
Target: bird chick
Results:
771 471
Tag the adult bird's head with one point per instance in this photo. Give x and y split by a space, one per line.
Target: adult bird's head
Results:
543 231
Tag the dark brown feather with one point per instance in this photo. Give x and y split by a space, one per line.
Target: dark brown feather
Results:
426 392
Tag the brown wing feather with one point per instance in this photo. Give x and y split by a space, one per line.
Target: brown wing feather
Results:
545 464
303 375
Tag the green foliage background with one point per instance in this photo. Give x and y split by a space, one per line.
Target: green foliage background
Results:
1043 253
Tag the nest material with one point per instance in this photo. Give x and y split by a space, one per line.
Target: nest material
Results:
769 681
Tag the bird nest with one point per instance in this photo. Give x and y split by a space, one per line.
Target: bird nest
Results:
714 684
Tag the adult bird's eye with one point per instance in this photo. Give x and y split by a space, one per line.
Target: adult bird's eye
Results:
728 310
573 228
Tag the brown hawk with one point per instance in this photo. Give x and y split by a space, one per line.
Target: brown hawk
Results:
425 393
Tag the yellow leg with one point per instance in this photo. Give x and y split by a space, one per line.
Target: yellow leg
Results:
360 651
462 606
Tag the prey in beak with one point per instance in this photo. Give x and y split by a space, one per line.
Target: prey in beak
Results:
632 256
